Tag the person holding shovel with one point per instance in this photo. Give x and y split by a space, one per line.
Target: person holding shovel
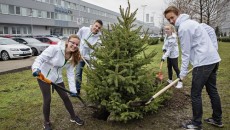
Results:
171 52
50 63
92 36
197 48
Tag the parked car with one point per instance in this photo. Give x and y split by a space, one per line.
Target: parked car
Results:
49 40
10 49
36 46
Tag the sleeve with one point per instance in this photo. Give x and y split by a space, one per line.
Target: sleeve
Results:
171 44
45 56
164 45
185 41
71 77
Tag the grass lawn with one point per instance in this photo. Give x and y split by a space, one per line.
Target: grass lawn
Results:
21 103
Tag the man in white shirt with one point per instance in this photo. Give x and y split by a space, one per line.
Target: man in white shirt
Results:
197 48
92 36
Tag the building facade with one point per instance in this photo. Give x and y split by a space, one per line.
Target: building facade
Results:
49 17
52 17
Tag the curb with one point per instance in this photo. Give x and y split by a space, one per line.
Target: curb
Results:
16 70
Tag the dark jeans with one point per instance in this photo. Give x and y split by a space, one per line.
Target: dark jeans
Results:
205 76
172 63
79 71
46 93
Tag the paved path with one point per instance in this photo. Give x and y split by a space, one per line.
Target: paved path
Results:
15 65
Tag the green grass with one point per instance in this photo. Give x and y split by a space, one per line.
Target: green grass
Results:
21 102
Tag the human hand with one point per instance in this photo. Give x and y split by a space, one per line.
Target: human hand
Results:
162 59
36 72
164 50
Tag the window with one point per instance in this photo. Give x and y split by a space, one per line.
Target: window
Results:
5 9
52 15
11 9
13 30
23 11
1 30
48 15
18 11
34 13
39 14
44 14
6 30
18 30
72 5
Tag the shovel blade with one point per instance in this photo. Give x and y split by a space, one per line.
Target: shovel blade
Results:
160 76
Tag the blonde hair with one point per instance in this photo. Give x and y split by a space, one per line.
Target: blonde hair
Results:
76 56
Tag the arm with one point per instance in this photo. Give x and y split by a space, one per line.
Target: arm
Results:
45 56
71 77
185 41
171 43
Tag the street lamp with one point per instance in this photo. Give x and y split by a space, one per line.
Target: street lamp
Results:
143 13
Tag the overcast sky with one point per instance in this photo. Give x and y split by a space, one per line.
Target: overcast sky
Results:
154 7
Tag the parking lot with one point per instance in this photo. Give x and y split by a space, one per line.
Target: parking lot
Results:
15 65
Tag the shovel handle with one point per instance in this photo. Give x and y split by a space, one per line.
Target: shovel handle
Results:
161 65
165 88
85 62
42 77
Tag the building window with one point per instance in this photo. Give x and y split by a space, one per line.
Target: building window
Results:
23 11
5 9
48 15
52 15
13 30
18 11
1 30
11 9
6 30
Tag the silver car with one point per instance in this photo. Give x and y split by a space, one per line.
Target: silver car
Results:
36 46
10 49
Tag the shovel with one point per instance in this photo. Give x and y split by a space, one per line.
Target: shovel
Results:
146 102
159 75
42 77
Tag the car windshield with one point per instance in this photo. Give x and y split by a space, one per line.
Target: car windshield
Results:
32 40
7 41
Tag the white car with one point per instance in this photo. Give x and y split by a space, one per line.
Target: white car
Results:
10 49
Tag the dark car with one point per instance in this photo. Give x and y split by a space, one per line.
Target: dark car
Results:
49 40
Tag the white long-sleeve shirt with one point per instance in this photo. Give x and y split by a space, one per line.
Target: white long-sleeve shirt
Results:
51 61
171 46
196 45
85 34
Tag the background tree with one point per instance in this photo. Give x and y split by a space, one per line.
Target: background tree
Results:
120 74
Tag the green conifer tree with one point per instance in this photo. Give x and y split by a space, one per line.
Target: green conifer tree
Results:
119 73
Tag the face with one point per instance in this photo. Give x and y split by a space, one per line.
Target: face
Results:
168 30
96 28
171 17
73 44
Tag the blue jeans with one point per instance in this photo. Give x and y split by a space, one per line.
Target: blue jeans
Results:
205 76
79 71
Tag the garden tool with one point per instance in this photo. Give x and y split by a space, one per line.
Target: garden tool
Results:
86 62
42 77
159 75
146 102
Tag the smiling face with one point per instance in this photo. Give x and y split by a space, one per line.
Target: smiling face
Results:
72 44
168 30
96 28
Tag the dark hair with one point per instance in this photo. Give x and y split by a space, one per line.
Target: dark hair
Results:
76 56
172 9
99 21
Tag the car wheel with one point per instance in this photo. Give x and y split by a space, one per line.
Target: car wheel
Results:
5 56
34 52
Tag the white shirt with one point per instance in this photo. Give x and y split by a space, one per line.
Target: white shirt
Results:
171 46
196 45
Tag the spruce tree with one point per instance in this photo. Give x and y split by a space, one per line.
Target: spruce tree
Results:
119 73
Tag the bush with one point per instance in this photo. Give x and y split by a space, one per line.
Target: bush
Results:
223 39
153 41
